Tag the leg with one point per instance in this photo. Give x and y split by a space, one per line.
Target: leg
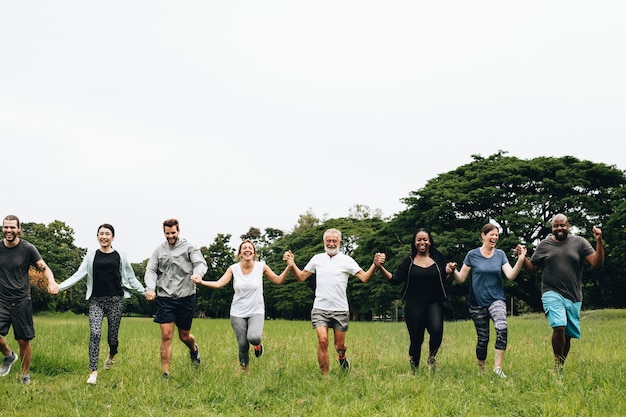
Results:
416 326
255 329
322 348
340 343
434 325
497 311
560 345
480 317
188 339
114 319
4 347
26 353
96 315
240 327
255 333
167 331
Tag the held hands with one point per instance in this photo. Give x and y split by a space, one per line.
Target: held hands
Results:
53 288
520 250
451 267
196 278
150 295
379 258
288 257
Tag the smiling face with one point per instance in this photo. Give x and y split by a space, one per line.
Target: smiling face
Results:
422 243
11 230
490 236
331 243
105 238
560 228
247 251
171 234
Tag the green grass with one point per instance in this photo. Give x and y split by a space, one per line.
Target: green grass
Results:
286 380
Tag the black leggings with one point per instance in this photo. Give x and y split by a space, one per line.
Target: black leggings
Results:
420 317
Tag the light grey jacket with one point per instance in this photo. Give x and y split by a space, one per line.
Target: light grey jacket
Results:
169 270
129 281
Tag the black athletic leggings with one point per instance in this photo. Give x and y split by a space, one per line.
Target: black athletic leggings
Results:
421 317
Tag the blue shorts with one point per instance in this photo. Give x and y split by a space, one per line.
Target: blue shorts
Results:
176 310
562 312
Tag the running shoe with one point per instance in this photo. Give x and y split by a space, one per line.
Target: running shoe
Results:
344 363
108 363
195 356
258 350
7 362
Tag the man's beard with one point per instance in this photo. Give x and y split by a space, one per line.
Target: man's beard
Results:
332 251
561 236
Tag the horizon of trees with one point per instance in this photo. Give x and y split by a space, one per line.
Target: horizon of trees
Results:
520 196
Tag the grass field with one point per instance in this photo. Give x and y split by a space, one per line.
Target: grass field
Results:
286 381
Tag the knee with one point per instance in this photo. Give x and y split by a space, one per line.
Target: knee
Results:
322 343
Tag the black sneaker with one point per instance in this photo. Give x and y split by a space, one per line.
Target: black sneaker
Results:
344 363
7 362
413 365
195 356
165 376
258 350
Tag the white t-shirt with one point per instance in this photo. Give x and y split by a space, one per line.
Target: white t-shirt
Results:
331 274
248 298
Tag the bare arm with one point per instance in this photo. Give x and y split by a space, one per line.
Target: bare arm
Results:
271 275
301 275
225 279
53 287
597 259
462 275
511 272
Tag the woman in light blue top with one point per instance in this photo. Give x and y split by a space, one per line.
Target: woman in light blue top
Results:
487 266
109 278
247 310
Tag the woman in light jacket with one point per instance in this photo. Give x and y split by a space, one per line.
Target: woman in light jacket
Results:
109 279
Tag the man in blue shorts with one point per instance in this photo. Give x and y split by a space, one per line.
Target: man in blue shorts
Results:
330 307
562 257
169 280
16 307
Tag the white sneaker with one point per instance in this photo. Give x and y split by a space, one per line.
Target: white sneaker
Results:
92 379
499 372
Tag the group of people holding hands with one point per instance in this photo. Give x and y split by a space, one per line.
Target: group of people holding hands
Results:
176 267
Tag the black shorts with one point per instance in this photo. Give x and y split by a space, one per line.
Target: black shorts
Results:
20 315
176 310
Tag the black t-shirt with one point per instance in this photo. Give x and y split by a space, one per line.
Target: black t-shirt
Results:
107 280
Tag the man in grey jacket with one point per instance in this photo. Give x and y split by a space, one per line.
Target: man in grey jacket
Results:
169 280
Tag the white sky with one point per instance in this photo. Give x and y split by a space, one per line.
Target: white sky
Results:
232 114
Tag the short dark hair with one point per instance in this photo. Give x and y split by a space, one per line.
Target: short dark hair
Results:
171 223
13 217
107 226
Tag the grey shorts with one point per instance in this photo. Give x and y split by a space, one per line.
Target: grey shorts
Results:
337 320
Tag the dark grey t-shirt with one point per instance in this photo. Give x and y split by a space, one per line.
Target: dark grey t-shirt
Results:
562 264
14 265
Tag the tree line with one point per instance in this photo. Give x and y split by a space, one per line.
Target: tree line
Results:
520 196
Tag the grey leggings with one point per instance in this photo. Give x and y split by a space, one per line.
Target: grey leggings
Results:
248 330
481 315
100 307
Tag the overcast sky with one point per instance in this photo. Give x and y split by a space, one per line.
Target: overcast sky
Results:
236 114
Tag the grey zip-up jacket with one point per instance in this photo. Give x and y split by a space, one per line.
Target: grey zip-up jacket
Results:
169 270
